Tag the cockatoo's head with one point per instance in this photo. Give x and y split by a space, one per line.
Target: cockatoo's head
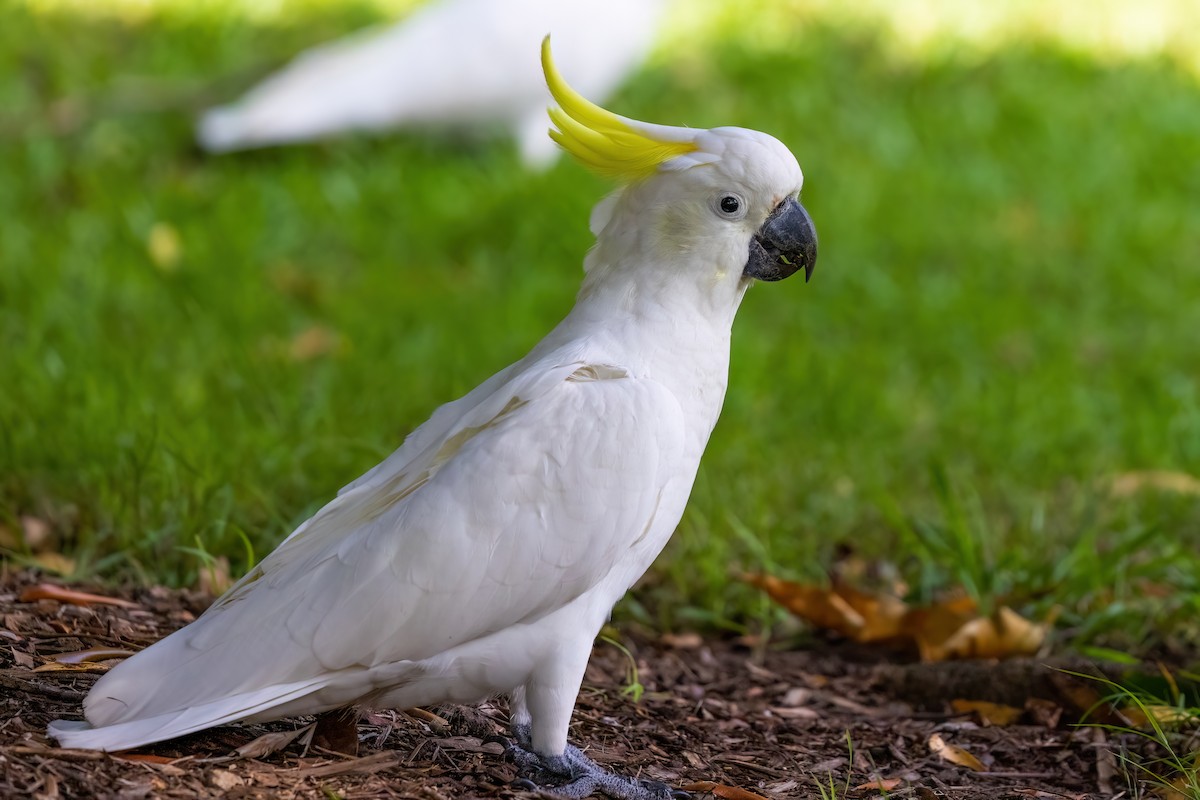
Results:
731 191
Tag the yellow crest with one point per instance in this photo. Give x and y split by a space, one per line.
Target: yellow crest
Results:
608 144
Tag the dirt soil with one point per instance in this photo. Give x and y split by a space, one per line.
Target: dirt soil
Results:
716 716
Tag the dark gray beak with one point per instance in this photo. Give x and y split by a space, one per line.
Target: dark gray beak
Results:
786 242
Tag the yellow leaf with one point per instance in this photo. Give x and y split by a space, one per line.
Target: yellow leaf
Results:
1002 635
855 614
954 754
1130 483
315 341
931 626
91 654
164 246
1140 716
996 714
879 785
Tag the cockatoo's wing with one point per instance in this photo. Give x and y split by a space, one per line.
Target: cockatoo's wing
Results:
525 502
453 62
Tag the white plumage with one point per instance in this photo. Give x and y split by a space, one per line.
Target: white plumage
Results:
467 63
486 552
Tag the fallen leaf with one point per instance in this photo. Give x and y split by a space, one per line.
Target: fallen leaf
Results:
954 754
54 666
1003 634
57 563
270 743
337 731
722 791
989 713
1143 716
1044 712
358 766
225 780
1130 483
164 246
214 577
858 615
146 758
315 341
879 785
682 641
91 654
37 533
48 591
1086 699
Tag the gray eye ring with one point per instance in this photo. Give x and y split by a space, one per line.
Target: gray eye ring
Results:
729 205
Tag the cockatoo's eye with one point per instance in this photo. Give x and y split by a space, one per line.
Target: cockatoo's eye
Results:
729 206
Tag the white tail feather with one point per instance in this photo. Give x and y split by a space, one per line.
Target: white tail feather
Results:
135 733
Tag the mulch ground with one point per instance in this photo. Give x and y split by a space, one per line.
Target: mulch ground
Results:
715 715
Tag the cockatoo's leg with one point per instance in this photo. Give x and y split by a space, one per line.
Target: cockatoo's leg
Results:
571 773
583 777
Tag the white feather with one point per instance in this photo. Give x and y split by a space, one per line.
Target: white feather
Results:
485 553
452 62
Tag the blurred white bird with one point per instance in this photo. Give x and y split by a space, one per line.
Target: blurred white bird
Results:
466 63
484 555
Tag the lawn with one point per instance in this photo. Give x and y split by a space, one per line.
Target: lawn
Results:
196 352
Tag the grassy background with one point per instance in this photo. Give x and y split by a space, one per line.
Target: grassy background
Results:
197 352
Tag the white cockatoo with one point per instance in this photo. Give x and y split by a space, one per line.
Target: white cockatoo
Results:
451 62
484 555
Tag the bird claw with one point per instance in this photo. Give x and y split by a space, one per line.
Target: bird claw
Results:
583 776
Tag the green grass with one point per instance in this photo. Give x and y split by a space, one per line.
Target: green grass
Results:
1005 313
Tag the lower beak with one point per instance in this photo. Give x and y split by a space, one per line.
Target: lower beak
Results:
785 243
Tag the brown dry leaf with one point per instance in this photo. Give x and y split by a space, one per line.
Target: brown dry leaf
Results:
879 785
816 604
1130 483
1046 713
146 758
37 533
996 714
225 780
1141 716
858 615
1086 699
215 578
48 591
270 743
1003 634
1177 789
91 654
882 614
86 666
315 341
722 791
929 626
56 563
954 754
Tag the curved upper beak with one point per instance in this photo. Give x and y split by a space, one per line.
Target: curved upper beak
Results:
785 243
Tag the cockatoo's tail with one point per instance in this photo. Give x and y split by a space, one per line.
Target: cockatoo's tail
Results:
628 150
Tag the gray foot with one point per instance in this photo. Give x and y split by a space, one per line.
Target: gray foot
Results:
575 775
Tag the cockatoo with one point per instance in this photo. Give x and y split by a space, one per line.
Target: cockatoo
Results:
451 62
483 556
